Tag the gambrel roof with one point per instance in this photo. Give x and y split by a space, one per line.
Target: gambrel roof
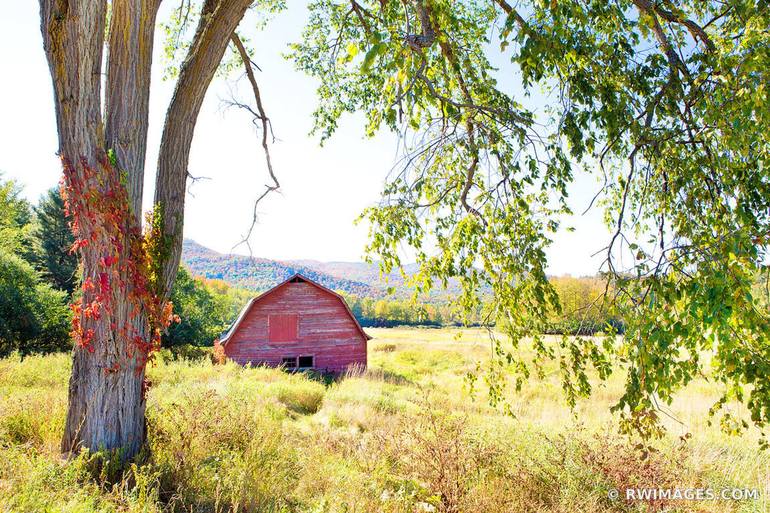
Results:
293 279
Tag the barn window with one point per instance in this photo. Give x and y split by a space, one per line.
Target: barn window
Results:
282 328
306 362
289 362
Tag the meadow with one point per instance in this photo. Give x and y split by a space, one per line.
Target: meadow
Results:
405 435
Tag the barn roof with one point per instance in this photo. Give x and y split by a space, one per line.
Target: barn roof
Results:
295 277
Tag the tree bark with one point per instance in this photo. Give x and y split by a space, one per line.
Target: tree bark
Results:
73 34
106 410
219 19
127 95
117 323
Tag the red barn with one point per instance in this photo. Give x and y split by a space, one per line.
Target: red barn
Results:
298 324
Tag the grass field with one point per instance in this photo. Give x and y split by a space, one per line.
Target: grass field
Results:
405 436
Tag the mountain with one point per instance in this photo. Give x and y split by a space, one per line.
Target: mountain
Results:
254 273
359 271
260 273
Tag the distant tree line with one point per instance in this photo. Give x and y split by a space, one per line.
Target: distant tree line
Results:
390 312
583 311
38 275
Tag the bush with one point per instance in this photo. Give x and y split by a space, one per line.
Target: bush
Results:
190 352
34 317
221 451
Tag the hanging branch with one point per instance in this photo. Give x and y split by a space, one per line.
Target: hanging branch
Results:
675 63
696 31
511 12
266 127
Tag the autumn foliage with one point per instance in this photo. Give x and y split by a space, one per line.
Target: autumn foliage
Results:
119 298
218 356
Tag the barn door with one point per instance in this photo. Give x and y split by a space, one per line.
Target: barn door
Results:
282 327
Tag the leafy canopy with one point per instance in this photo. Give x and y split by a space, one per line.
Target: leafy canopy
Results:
665 101
33 316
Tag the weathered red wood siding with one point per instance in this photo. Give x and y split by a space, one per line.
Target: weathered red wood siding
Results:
325 330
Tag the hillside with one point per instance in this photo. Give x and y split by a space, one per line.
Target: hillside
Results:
260 273
360 271
359 278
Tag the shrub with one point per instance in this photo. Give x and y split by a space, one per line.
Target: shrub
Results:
218 356
218 451
191 352
34 318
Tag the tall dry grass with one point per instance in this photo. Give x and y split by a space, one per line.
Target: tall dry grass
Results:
402 436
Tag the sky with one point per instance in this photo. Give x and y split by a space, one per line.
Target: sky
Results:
323 189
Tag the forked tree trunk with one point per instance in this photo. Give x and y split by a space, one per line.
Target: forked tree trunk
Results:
117 323
106 405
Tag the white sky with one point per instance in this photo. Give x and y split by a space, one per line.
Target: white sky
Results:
324 188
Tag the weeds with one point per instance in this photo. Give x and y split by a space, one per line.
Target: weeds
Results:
400 437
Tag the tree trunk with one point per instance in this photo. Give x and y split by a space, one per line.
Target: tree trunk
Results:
127 95
219 19
127 277
111 326
106 401
106 404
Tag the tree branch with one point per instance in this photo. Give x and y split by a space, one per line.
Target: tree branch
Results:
265 128
695 30
428 36
470 126
676 64
219 19
511 12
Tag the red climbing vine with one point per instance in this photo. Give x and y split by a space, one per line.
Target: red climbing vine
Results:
120 297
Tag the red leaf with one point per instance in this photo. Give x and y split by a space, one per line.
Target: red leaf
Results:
104 283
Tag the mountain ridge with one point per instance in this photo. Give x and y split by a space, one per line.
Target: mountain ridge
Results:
258 274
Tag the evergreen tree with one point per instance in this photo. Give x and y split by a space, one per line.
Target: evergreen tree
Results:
34 317
53 240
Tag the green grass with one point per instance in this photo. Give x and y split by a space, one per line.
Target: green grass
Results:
403 436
